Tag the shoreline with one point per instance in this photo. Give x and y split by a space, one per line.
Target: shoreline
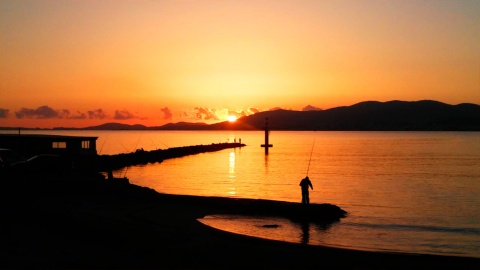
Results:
85 222
352 248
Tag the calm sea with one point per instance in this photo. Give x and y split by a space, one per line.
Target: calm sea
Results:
415 192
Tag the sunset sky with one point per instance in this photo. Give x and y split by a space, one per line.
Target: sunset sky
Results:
88 62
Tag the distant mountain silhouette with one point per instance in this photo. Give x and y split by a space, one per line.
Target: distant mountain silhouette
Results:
424 115
117 126
181 126
170 126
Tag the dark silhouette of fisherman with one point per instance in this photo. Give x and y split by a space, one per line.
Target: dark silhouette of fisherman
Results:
305 183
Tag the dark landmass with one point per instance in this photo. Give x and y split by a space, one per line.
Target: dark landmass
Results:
84 221
169 126
182 126
369 116
424 115
114 126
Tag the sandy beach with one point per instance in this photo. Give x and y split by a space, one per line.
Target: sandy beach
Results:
82 221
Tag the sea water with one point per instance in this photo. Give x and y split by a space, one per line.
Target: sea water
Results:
416 192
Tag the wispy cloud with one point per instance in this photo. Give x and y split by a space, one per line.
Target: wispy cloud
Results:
252 110
97 114
193 114
46 112
311 108
42 112
205 114
77 115
67 115
123 115
214 114
4 113
237 114
167 114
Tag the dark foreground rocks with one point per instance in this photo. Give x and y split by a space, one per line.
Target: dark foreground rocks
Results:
83 221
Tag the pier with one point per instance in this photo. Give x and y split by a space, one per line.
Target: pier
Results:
140 156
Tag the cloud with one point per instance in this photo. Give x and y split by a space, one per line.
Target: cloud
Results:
66 114
4 113
237 114
45 112
63 113
42 112
167 114
311 108
214 114
276 108
253 110
96 114
78 115
205 114
123 115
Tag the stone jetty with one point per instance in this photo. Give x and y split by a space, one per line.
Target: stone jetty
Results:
140 156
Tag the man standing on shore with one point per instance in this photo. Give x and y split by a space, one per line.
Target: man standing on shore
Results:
305 183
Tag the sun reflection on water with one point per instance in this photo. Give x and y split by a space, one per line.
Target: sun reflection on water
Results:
231 165
231 174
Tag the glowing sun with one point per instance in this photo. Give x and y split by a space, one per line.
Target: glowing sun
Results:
232 118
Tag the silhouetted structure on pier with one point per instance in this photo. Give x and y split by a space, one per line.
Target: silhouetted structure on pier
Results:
77 151
266 145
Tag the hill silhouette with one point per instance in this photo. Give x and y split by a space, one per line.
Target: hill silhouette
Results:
117 126
424 115
182 126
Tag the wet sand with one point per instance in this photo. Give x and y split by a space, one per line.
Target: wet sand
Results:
83 222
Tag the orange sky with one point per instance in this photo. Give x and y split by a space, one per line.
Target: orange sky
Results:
86 62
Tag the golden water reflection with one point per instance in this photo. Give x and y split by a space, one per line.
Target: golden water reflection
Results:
231 174
274 228
231 165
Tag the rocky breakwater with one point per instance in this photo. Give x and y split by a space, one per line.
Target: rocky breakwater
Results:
140 156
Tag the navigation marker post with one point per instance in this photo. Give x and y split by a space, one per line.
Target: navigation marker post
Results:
266 145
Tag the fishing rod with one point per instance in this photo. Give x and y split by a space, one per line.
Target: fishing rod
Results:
311 153
154 144
165 144
134 150
101 148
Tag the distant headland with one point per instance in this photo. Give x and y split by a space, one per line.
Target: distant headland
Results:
424 115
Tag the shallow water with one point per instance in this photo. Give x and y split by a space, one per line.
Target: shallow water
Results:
352 234
404 191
